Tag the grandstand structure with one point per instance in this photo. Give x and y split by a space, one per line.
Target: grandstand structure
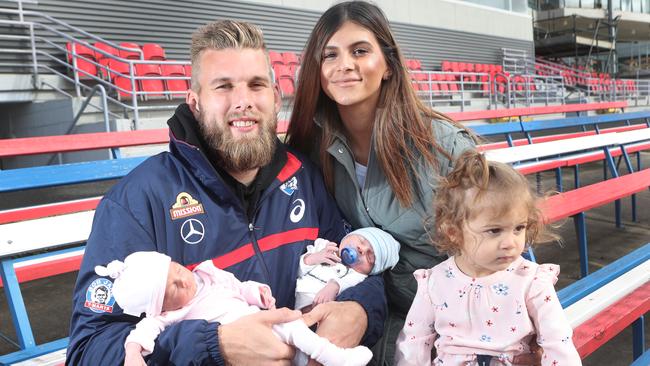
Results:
113 71
603 36
114 66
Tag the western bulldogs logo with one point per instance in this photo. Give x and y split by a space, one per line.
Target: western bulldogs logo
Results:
99 296
290 186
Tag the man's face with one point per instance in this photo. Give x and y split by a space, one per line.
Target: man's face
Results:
237 107
100 295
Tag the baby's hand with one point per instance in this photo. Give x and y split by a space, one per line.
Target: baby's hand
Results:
327 293
133 355
329 255
267 297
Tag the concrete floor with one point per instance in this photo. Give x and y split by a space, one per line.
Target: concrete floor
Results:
49 306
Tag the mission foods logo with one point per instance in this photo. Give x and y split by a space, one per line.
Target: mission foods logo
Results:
185 206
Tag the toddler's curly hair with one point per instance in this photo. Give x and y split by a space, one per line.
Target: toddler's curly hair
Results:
476 185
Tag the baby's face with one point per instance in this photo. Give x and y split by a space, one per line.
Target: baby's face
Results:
366 253
180 288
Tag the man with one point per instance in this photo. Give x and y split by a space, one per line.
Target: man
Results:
226 191
101 295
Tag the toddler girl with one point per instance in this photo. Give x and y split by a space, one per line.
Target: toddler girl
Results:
483 305
167 292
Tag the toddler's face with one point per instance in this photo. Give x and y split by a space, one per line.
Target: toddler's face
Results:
366 253
492 243
180 288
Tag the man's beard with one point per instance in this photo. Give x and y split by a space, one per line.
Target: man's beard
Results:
238 155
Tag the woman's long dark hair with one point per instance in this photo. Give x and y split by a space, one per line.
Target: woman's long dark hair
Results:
402 122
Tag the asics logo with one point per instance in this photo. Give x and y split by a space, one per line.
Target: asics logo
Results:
298 211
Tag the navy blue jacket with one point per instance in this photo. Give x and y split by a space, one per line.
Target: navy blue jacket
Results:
177 203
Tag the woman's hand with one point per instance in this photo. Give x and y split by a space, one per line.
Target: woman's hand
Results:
534 358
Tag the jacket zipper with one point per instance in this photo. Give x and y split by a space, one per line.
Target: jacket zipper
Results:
251 225
355 181
251 229
258 251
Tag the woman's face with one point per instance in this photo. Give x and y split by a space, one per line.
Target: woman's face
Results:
353 66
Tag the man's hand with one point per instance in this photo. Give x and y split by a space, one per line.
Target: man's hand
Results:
343 323
329 255
249 340
327 293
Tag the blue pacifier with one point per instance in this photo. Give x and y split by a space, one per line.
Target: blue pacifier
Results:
349 256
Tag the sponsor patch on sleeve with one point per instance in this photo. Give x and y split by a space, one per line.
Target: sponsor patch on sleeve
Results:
289 186
185 206
99 296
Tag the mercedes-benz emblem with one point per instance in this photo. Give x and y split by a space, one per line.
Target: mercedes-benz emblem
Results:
192 231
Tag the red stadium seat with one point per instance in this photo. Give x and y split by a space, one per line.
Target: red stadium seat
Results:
175 85
453 87
131 55
153 51
103 59
276 58
414 64
446 66
122 82
290 59
152 87
110 50
470 78
423 81
85 58
284 78
442 83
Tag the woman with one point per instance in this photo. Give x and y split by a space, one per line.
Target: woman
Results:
380 149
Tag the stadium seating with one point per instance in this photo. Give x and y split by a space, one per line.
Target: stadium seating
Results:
602 304
285 66
85 63
130 55
292 61
414 65
284 78
153 51
119 74
152 87
175 85
103 59
276 58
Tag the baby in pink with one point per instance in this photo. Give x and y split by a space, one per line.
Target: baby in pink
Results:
484 304
167 292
